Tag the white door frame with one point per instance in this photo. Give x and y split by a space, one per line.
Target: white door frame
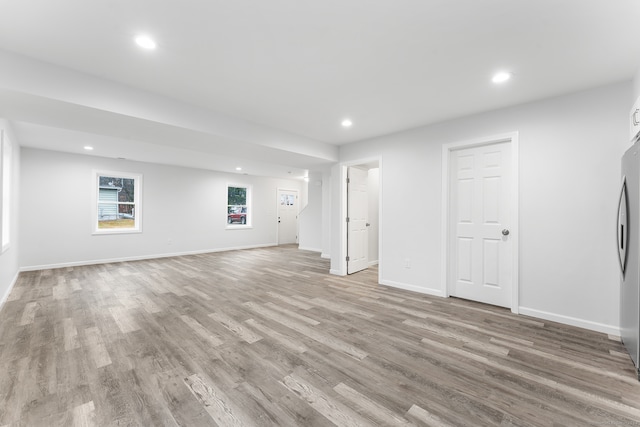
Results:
342 224
511 138
278 190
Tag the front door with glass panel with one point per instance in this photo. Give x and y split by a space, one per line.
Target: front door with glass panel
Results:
287 217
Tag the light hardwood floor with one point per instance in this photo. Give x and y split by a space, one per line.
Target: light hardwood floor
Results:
267 337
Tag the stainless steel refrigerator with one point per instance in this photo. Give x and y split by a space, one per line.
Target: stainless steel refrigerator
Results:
628 233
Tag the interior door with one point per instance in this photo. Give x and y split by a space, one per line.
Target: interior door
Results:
357 214
481 253
287 217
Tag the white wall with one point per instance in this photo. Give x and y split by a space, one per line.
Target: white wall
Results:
310 219
636 86
185 205
326 213
338 247
373 185
9 265
570 150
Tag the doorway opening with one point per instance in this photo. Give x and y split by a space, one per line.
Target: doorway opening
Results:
359 217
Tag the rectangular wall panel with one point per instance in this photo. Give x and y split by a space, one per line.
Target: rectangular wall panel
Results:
465 162
492 159
491 187
465 259
491 262
465 201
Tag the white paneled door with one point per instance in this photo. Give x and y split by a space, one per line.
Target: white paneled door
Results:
287 217
481 253
357 214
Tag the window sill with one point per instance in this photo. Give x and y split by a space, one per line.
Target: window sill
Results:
123 231
239 227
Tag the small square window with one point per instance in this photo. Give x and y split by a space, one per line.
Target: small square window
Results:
118 207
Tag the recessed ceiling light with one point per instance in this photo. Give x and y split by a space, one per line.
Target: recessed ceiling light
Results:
88 147
501 77
346 123
238 168
145 42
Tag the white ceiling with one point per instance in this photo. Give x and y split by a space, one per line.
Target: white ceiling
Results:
301 67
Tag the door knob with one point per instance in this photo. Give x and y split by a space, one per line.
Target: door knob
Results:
505 232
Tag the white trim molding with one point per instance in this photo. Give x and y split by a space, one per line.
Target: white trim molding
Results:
413 288
139 258
572 321
512 138
310 249
5 297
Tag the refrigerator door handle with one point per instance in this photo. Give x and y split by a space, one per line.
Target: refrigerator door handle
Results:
622 231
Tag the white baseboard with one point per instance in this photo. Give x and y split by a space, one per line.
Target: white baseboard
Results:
325 256
9 289
309 249
372 263
336 272
419 289
572 321
138 258
567 320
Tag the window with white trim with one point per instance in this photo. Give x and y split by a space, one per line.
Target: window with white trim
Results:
238 206
117 202
5 175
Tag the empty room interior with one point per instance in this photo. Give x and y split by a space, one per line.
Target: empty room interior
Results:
344 213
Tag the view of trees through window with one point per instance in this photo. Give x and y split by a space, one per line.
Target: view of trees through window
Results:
116 202
237 208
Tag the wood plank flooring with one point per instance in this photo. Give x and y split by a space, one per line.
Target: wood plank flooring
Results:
267 337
